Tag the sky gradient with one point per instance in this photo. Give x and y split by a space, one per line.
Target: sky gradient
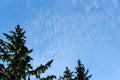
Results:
68 30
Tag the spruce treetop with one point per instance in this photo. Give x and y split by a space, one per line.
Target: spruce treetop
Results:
16 54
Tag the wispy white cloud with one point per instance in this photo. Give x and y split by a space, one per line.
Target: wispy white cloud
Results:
69 37
71 29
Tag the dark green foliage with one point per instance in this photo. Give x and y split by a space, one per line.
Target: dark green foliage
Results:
15 61
68 75
15 53
49 77
81 73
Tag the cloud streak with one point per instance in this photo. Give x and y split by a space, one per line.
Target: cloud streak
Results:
76 35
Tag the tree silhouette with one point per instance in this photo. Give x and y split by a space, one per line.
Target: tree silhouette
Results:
68 75
81 73
16 60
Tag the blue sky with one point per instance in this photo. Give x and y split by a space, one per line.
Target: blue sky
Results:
68 30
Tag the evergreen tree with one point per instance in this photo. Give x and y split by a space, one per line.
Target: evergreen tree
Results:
81 73
68 75
16 59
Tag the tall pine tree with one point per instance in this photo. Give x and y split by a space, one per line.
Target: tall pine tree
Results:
16 59
81 73
68 75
